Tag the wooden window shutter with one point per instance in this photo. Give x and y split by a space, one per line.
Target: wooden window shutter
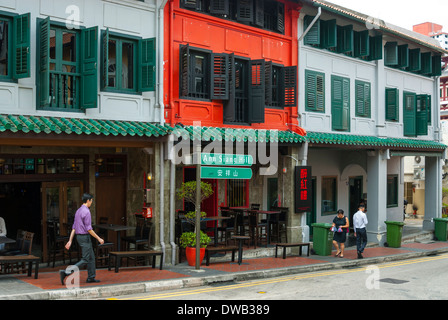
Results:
89 73
147 65
340 103
429 101
392 104
280 17
229 105
362 44
289 86
313 35
105 59
409 114
219 7
184 54
403 56
219 76
422 114
362 95
268 82
376 47
259 13
436 66
314 91
44 63
328 34
414 60
391 54
245 10
426 63
256 91
192 4
21 46
345 39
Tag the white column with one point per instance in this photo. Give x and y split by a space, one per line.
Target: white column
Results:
433 191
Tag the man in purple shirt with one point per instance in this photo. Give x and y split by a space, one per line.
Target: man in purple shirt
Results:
82 227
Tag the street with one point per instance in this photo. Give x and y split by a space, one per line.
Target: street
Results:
416 279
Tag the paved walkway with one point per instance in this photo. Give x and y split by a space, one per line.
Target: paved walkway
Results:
143 279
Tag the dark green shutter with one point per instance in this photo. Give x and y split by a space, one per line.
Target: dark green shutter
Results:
403 56
340 103
147 65
426 63
268 83
391 54
392 104
362 95
105 59
280 26
362 44
256 91
245 11
314 91
289 86
89 70
313 35
259 13
345 39
422 114
328 34
436 66
409 114
376 47
219 76
44 63
414 60
192 4
229 105
21 46
219 7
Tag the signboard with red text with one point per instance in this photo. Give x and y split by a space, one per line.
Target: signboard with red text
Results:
303 191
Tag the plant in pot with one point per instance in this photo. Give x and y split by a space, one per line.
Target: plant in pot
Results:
187 240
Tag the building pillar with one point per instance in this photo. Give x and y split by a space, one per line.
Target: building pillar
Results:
433 191
376 196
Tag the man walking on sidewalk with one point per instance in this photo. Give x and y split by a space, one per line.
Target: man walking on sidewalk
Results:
359 225
82 227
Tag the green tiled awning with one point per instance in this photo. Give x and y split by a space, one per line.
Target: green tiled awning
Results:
236 134
40 124
370 141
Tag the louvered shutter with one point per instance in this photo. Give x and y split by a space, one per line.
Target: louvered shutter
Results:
256 91
414 60
268 82
21 46
280 17
328 34
184 53
89 74
436 66
426 59
192 4
340 105
219 7
422 114
391 54
259 13
409 114
105 59
147 65
362 44
392 104
362 94
289 86
44 63
313 35
229 105
345 39
219 76
245 10
376 48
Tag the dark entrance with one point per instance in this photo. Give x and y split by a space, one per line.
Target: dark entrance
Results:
355 197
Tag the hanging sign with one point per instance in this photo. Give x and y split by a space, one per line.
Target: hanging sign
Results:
302 189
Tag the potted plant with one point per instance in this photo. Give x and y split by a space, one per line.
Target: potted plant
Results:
188 239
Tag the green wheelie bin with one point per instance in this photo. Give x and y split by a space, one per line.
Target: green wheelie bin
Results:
322 238
441 228
394 233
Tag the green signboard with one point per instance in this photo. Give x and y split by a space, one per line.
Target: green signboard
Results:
219 159
225 173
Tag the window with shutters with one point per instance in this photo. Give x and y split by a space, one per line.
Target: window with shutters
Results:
266 14
392 191
409 114
195 73
14 47
314 91
67 68
128 63
363 99
340 103
392 104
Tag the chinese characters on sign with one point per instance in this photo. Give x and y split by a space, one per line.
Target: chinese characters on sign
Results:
234 161
303 193
225 173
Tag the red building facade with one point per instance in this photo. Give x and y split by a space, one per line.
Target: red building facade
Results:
231 63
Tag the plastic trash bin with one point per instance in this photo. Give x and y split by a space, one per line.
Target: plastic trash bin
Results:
394 233
322 238
441 228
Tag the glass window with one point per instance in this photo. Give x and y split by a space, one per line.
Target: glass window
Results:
329 195
392 191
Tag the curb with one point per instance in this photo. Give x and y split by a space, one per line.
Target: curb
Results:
151 286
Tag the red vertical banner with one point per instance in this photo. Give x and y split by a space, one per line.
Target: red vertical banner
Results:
302 189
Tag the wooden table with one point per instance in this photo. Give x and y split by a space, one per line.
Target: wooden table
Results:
115 227
240 246
215 227
269 221
30 259
6 240
240 211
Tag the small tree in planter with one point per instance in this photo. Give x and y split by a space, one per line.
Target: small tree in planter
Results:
188 239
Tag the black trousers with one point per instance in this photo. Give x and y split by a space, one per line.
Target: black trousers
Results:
361 239
88 256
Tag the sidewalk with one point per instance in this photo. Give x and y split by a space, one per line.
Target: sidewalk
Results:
145 279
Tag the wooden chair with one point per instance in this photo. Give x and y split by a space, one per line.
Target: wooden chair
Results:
102 250
56 242
279 226
141 236
257 230
27 246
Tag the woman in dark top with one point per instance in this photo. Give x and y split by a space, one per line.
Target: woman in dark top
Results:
340 227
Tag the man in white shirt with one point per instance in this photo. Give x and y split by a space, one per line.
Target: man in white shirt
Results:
359 226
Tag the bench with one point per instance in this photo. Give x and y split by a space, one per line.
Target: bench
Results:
288 245
127 254
210 250
23 259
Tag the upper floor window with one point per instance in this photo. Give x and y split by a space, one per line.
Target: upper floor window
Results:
340 103
267 14
14 46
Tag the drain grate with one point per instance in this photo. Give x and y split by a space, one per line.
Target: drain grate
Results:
393 281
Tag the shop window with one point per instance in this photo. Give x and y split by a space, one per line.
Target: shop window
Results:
392 191
329 195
